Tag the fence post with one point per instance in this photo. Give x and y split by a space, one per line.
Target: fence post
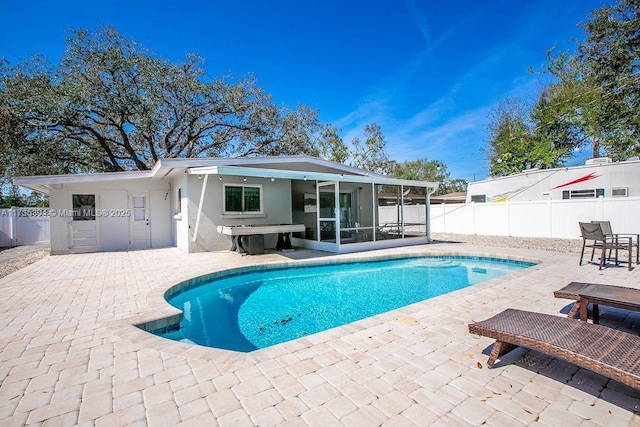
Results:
473 216
508 218
14 226
550 218
601 206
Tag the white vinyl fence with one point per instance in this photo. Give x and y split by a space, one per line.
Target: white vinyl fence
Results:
547 218
24 226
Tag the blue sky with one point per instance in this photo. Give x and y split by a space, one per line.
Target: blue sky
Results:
429 73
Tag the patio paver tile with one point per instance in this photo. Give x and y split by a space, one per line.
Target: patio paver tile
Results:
94 407
292 408
392 403
365 416
193 409
473 411
267 417
164 414
69 354
223 402
43 413
320 417
157 394
237 418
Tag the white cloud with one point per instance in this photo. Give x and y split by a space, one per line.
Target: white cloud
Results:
453 127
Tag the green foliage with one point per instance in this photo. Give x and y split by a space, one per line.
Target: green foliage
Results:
612 54
428 170
331 146
111 105
513 146
371 155
14 198
593 100
566 114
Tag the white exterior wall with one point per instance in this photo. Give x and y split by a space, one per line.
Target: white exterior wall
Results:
59 226
539 184
111 230
276 199
180 220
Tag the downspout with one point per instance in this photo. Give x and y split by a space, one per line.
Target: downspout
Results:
427 205
401 210
374 211
204 189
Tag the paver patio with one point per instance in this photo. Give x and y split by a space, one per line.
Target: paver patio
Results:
71 355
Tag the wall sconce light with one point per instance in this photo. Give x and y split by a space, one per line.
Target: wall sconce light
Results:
272 179
199 176
244 179
220 177
305 177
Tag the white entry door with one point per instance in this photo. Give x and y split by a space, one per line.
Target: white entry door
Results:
140 229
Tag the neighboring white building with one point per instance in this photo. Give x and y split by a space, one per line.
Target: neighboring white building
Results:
192 203
599 177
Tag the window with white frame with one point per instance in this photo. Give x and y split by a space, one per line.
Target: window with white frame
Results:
242 199
620 192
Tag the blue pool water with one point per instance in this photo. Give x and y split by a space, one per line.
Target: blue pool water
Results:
257 309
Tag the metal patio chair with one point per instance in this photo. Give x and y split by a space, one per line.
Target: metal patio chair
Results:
594 237
608 231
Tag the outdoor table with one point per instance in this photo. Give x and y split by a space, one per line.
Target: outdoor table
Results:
626 298
283 231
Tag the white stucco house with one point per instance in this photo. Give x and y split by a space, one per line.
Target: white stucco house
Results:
202 204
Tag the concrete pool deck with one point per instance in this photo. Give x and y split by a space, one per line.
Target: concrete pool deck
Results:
71 355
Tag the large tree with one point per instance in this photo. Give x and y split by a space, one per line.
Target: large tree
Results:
371 154
112 105
428 170
567 114
612 53
513 146
331 146
593 100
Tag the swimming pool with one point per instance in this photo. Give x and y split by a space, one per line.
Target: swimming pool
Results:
257 309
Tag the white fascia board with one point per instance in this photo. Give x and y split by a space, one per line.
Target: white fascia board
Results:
34 187
44 183
184 163
301 175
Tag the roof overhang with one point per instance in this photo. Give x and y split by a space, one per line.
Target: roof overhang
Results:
304 176
45 183
288 167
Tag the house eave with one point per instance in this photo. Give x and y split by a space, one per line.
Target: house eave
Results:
45 183
301 175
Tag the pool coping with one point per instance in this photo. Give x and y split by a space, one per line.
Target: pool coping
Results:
162 314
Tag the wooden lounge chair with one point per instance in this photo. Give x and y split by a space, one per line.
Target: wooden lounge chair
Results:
603 350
